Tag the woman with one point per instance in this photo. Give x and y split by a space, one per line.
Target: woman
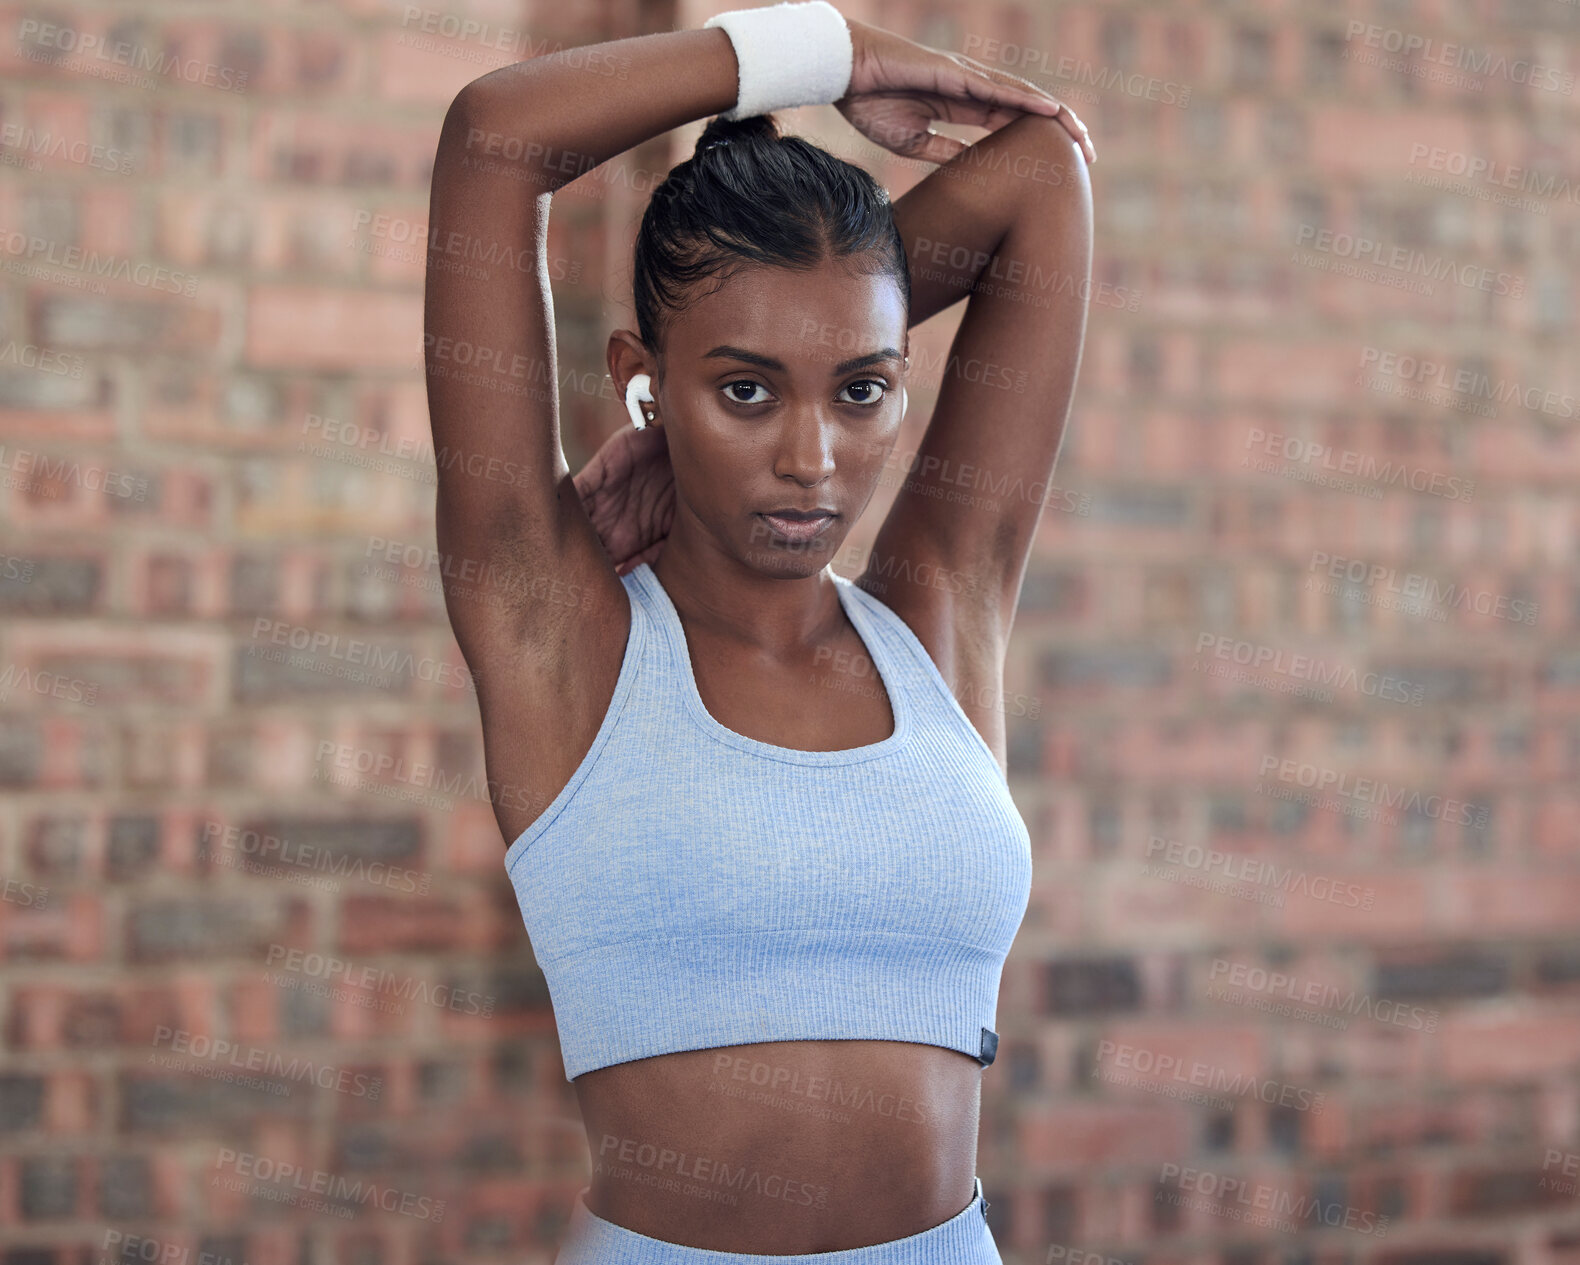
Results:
765 851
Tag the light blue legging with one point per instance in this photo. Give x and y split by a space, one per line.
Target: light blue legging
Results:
962 1240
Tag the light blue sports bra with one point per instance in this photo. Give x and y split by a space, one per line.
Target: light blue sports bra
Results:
691 887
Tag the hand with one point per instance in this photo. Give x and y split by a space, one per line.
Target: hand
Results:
628 491
899 87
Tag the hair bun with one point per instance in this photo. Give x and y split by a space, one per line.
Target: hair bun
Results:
766 199
723 131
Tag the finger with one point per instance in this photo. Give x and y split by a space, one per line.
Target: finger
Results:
1065 118
984 83
1013 82
1047 103
1078 130
993 117
937 148
589 487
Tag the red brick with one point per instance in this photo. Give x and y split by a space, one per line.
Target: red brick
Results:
1068 1139
300 327
1487 1044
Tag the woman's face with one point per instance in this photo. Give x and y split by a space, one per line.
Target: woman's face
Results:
780 391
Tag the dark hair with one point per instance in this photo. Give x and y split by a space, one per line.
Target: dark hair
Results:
750 195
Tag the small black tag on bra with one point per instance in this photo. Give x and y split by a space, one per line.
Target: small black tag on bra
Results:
989 1047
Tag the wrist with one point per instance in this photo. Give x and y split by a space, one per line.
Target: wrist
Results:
798 52
860 43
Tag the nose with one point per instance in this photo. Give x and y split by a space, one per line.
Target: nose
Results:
805 450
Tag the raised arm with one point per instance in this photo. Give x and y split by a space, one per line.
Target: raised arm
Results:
533 599
509 140
1009 221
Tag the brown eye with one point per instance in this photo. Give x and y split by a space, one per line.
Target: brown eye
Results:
867 384
730 388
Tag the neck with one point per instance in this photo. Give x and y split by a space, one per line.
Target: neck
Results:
780 616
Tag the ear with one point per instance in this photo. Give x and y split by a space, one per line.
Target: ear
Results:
630 365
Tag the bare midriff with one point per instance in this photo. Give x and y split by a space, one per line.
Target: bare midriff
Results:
784 1147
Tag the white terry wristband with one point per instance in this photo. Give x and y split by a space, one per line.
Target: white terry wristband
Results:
788 55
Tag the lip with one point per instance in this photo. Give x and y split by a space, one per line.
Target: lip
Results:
799 525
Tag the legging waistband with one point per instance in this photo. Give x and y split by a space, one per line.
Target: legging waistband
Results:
962 1240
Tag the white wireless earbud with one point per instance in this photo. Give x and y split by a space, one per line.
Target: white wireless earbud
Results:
904 403
638 391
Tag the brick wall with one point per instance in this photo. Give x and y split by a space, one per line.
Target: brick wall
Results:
1300 750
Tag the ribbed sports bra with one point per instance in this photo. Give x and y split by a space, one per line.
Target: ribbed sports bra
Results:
691 887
